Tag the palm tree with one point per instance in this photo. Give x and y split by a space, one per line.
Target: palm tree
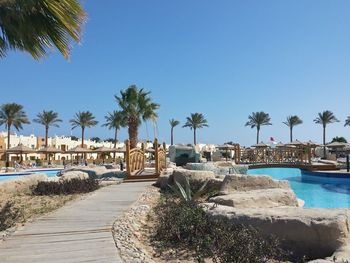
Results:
12 114
36 26
347 122
47 118
173 123
324 118
194 122
83 119
292 121
115 120
136 106
258 119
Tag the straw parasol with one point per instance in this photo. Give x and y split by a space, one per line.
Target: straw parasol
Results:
19 150
48 151
336 145
79 149
280 144
104 149
260 145
296 143
226 147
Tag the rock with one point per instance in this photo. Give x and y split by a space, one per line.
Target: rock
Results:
98 172
258 198
163 181
239 182
22 184
179 175
316 233
219 168
301 202
67 176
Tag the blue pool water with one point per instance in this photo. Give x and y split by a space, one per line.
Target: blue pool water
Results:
50 172
316 192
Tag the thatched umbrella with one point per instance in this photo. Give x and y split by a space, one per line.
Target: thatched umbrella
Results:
260 145
226 147
48 151
280 145
102 150
20 149
296 143
78 149
336 145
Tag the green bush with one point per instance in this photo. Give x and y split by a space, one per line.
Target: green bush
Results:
73 186
185 226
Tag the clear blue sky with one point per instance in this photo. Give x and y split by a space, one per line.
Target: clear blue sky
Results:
222 58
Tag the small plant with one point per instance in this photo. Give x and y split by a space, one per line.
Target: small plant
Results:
9 215
185 192
73 186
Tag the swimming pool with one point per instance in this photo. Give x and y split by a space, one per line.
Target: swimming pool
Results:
48 172
316 192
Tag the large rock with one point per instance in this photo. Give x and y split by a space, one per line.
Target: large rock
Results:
23 184
316 233
67 176
100 172
180 176
239 182
258 198
219 168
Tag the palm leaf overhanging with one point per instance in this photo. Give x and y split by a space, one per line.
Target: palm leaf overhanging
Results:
34 26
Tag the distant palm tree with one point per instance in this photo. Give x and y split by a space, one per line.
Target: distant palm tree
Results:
83 119
136 106
347 122
115 120
47 118
36 26
12 114
258 119
194 122
324 118
173 123
292 121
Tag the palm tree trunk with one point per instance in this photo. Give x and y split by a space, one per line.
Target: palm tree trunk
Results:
133 132
324 142
194 136
257 135
115 142
46 138
172 135
8 145
291 134
82 141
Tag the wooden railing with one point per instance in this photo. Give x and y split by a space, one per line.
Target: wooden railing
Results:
299 155
160 157
135 158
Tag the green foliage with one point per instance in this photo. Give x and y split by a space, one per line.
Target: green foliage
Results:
95 139
347 121
339 139
13 114
325 117
185 192
196 121
74 138
115 120
293 121
258 119
185 226
73 186
173 123
83 119
47 118
37 25
9 215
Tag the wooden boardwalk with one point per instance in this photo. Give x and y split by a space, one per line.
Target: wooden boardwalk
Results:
77 232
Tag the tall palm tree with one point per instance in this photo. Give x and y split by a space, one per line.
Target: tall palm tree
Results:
136 106
173 123
292 121
83 119
47 118
12 114
36 26
347 122
324 118
194 122
258 119
115 120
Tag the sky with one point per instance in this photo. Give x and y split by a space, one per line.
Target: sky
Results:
225 59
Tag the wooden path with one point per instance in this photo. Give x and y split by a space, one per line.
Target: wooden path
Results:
77 232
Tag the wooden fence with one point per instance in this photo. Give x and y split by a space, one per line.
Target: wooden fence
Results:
134 158
160 157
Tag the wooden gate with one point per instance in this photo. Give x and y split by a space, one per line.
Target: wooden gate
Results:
134 158
160 157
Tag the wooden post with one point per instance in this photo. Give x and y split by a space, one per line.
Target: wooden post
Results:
164 147
156 156
127 157
143 156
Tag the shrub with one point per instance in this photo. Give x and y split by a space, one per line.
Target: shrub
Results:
73 186
9 214
182 225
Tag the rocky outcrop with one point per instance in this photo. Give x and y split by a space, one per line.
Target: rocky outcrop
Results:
219 168
315 233
180 176
22 184
99 172
239 182
67 176
258 198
